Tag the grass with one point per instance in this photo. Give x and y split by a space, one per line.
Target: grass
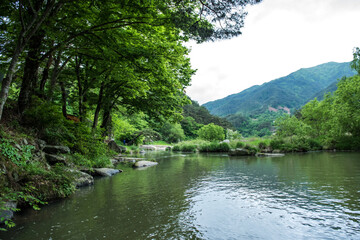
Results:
255 141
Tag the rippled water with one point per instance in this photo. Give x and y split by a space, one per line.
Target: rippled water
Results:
299 196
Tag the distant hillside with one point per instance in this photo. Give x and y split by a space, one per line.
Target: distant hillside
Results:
330 89
202 116
291 91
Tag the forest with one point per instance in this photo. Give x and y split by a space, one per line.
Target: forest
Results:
75 73
115 67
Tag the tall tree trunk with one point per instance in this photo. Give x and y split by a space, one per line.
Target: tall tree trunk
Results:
80 88
27 31
45 76
63 98
5 85
55 74
98 106
31 68
106 122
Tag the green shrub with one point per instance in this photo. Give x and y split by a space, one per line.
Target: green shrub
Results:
295 144
262 145
252 150
20 157
172 132
211 132
314 144
240 145
185 147
56 183
214 147
276 143
347 143
48 120
176 148
188 148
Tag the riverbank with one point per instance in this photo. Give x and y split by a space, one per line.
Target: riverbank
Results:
46 158
50 160
248 146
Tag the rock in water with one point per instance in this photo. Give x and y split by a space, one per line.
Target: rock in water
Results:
83 179
106 172
140 164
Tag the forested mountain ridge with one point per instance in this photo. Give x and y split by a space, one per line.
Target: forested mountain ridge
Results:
292 91
329 89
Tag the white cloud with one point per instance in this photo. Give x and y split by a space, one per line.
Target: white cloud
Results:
280 36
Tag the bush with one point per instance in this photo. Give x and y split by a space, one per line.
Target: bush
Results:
252 150
240 145
188 148
262 145
347 143
276 143
172 133
48 120
295 144
211 132
314 144
214 147
176 148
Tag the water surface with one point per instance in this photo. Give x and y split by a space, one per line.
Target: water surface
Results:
197 196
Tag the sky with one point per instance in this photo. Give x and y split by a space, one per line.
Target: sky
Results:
279 37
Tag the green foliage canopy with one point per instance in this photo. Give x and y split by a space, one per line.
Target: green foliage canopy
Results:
211 132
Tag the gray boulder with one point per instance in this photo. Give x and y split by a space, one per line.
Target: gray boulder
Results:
106 172
276 151
53 159
148 147
83 179
115 147
140 164
56 149
8 212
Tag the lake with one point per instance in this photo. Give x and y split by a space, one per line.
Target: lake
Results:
210 196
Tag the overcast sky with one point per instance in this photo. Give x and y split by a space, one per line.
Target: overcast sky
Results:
279 37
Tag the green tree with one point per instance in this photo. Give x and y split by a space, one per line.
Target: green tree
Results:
55 25
172 132
211 132
320 116
190 127
346 106
232 135
355 64
289 126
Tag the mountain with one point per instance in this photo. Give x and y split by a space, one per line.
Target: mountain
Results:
330 89
291 91
202 116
